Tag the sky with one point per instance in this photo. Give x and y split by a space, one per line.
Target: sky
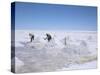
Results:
38 16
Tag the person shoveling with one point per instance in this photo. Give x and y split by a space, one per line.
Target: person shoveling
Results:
48 37
34 42
31 37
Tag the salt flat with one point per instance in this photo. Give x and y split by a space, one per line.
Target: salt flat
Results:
79 52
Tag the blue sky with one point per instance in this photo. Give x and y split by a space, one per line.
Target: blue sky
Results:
39 16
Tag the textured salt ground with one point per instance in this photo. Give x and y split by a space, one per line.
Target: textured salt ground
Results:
87 65
40 60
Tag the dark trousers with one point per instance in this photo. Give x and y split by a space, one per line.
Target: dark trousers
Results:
32 38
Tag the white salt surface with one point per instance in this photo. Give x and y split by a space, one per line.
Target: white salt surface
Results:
66 51
88 65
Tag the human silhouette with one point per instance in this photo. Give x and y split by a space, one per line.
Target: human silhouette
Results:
31 37
48 37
